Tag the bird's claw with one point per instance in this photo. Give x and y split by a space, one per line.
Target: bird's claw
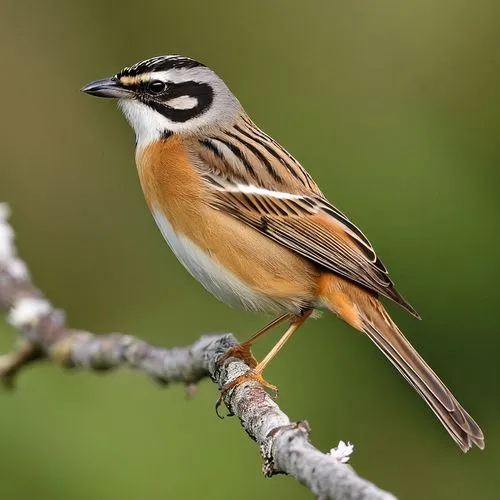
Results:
240 351
250 376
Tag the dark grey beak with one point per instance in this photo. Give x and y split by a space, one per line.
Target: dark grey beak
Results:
109 87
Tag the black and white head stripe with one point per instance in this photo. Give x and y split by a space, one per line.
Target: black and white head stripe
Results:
159 63
174 94
171 85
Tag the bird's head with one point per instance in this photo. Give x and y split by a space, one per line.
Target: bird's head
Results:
168 94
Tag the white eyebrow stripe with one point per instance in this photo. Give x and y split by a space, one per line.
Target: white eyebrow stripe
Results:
251 189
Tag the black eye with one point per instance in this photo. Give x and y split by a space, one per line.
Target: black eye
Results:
157 86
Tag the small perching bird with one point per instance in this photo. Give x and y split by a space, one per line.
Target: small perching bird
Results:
251 225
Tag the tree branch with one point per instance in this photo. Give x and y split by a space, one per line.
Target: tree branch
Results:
284 444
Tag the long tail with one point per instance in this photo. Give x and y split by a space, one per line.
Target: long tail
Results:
366 313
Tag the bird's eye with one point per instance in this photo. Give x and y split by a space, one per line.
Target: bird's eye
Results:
157 86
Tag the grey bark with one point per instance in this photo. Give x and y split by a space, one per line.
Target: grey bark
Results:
284 444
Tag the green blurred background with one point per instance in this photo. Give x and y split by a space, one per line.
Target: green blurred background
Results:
392 106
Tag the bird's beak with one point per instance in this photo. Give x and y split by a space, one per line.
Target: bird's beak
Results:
109 87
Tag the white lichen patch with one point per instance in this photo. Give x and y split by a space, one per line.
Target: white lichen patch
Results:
6 235
17 269
342 453
28 311
9 261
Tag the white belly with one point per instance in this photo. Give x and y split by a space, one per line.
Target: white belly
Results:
211 274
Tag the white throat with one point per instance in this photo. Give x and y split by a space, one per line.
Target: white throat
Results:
146 122
149 124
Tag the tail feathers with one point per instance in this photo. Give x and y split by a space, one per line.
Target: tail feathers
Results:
366 313
459 424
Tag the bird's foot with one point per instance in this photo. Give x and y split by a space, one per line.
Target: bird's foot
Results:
240 351
251 376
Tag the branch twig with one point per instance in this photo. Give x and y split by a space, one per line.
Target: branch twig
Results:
284 444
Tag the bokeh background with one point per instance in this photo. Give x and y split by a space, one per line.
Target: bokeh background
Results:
392 106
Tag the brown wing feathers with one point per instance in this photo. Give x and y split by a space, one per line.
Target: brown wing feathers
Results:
304 222
273 194
263 161
312 235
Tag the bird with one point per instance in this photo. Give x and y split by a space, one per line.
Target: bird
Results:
247 221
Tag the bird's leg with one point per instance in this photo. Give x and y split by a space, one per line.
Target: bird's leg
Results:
256 373
243 351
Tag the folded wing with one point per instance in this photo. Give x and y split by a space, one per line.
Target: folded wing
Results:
311 227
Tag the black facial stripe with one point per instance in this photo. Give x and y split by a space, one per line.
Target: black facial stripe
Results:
202 92
161 63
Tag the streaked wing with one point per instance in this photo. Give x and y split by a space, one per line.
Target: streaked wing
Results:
293 212
244 154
